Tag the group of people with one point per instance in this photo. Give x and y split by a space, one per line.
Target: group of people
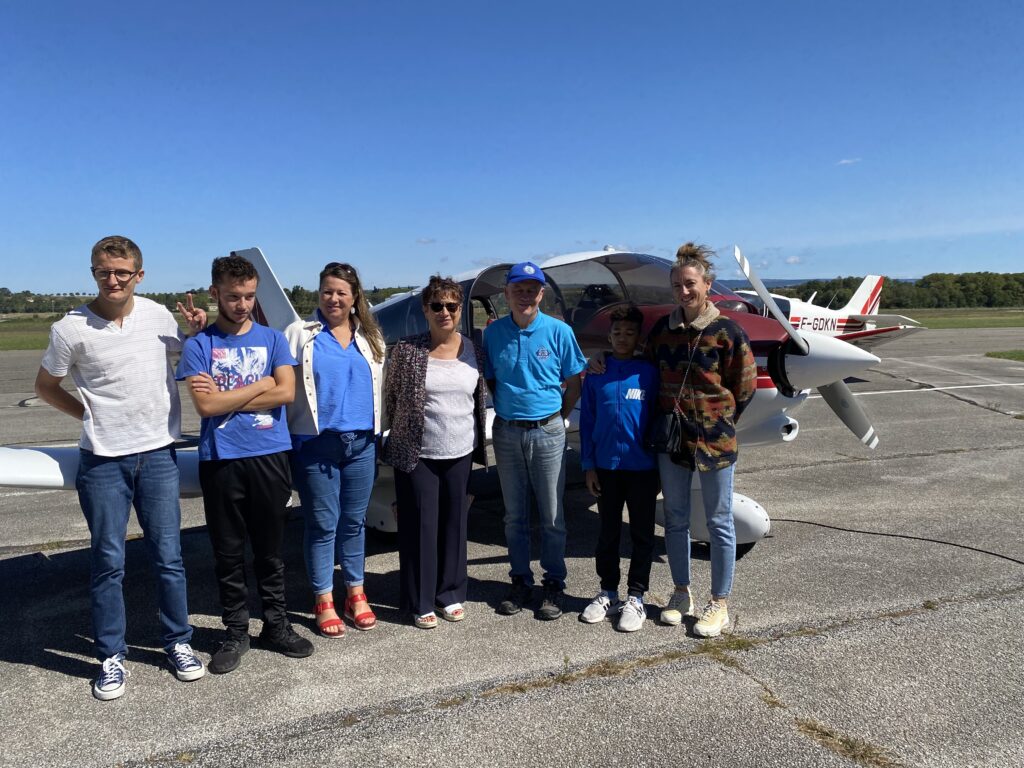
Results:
307 407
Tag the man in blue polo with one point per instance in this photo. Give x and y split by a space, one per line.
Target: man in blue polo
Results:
529 357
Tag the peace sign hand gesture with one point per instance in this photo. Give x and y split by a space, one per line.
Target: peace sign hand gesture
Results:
195 317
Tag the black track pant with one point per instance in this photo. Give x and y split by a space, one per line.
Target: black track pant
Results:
247 497
638 490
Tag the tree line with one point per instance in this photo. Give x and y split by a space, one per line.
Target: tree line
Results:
26 302
939 290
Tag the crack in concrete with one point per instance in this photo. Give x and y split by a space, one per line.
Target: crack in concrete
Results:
923 385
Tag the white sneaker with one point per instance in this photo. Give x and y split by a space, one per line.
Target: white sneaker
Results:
672 614
632 616
111 681
599 609
713 619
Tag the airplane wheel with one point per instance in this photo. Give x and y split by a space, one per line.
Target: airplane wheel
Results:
742 549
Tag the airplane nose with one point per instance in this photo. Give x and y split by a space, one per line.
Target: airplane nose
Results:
827 360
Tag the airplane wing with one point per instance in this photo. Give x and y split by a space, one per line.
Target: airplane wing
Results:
55 467
874 337
890 319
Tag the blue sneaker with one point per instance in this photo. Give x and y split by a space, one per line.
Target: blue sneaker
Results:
111 682
186 665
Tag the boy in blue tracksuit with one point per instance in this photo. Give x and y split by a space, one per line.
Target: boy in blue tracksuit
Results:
614 412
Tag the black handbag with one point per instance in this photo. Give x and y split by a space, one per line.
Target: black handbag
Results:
665 434
667 431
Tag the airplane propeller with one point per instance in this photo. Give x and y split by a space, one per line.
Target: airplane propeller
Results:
822 362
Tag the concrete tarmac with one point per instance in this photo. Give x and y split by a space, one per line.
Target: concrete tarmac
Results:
879 625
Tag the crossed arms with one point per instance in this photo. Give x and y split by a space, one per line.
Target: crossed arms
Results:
268 392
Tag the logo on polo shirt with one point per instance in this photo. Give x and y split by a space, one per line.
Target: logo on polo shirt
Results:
543 353
634 394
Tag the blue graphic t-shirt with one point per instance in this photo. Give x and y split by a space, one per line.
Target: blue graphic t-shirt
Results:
233 361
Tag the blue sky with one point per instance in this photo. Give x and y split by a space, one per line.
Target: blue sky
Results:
825 139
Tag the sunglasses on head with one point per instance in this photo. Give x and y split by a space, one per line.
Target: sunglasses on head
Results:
339 265
451 306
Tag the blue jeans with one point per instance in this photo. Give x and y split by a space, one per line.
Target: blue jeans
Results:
107 489
533 459
334 474
716 492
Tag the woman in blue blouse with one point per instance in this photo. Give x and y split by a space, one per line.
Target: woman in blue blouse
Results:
334 422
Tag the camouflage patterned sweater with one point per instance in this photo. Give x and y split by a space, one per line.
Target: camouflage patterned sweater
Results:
716 386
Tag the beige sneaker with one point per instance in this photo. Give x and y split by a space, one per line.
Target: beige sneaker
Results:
713 619
672 614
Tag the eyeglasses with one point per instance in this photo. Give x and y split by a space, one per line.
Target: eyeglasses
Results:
122 275
451 306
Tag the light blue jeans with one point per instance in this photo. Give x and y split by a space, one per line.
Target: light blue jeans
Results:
716 492
533 459
334 474
108 487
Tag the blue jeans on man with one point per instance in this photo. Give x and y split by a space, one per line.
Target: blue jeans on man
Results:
716 493
108 487
533 459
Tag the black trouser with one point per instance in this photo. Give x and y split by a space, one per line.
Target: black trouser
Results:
240 497
639 491
432 513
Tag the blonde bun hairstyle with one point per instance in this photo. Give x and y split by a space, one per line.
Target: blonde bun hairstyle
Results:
696 256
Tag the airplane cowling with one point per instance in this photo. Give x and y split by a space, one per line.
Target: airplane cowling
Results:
750 518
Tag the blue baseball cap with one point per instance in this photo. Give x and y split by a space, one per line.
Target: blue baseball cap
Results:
525 270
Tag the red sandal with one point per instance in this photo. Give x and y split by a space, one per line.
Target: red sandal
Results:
326 624
363 621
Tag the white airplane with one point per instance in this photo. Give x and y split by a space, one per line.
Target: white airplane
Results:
582 289
858 322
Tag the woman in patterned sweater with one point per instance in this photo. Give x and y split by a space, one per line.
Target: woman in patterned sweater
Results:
708 374
435 402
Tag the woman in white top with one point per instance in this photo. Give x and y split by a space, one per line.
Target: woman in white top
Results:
435 402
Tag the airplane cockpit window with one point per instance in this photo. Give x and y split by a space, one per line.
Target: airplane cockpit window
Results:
585 286
783 305
754 299
401 318
645 278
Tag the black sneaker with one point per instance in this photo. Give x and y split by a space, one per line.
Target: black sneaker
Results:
551 605
229 655
284 640
518 596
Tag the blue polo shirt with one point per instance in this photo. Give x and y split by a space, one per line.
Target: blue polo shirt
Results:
529 365
615 408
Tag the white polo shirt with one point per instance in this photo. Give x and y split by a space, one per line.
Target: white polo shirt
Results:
123 375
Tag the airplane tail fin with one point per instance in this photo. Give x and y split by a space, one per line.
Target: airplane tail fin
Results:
273 307
866 298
